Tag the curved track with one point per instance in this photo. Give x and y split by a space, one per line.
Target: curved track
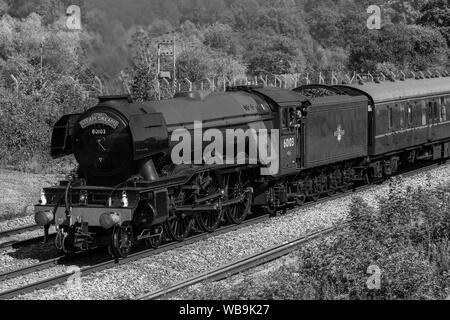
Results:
258 259
236 267
22 230
12 232
109 263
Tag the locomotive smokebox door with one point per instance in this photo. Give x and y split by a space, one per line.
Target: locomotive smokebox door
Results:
336 130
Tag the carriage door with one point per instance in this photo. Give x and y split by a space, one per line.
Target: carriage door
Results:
289 138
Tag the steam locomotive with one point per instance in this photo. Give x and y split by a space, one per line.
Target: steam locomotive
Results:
127 188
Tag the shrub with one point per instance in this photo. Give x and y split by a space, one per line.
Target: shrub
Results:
406 238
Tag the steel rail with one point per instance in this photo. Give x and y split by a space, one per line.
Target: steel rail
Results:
110 263
21 230
166 247
239 266
12 232
260 258
26 242
60 260
170 246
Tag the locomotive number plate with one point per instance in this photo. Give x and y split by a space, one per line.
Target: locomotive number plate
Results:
99 131
289 143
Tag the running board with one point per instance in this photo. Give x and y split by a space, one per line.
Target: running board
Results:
209 207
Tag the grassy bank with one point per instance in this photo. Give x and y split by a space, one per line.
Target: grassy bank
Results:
404 240
19 191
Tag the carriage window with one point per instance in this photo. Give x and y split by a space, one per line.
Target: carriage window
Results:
410 115
424 115
390 117
430 112
436 111
443 113
402 116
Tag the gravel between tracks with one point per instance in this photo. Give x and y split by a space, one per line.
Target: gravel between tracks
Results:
257 274
153 273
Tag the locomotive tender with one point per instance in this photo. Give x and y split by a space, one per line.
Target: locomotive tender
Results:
127 189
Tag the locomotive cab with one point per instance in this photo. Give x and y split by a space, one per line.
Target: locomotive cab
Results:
291 136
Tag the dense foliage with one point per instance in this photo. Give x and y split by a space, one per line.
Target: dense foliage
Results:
47 70
405 239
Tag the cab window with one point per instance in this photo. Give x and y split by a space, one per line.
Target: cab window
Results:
285 119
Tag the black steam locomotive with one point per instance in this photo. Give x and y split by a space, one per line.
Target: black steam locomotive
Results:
128 188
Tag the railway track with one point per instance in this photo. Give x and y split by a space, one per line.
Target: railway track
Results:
62 278
239 266
109 263
53 262
257 259
13 232
18 231
22 230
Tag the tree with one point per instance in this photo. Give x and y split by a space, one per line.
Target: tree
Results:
323 20
436 14
405 46
200 63
400 11
134 13
429 48
241 15
192 65
4 7
158 27
220 37
49 10
202 12
353 25
107 52
273 53
285 19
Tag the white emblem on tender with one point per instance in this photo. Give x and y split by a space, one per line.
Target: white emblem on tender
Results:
339 133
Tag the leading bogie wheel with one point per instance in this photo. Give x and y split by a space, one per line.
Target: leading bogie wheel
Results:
122 240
